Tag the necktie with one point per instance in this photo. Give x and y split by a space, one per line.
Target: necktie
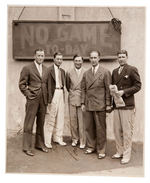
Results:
93 71
120 69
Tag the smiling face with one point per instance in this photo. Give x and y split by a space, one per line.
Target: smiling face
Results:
122 59
78 62
94 58
39 57
58 60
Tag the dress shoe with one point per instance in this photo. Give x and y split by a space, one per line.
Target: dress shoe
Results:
49 146
89 151
124 161
82 146
28 152
116 156
42 149
74 143
62 143
101 156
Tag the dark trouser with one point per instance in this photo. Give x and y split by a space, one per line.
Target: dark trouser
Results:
34 108
95 127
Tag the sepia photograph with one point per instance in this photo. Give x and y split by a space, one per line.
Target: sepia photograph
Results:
75 90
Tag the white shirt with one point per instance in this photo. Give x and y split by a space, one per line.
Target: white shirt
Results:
78 71
120 69
96 68
39 67
57 70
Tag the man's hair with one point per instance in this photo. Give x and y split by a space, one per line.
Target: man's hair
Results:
38 49
122 52
77 56
98 52
57 53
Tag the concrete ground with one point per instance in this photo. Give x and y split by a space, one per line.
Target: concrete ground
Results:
72 161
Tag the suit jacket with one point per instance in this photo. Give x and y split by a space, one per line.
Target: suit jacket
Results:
95 89
31 83
52 81
128 81
73 85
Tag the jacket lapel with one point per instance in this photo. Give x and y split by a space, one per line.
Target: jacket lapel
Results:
34 68
121 75
77 78
62 77
92 78
53 72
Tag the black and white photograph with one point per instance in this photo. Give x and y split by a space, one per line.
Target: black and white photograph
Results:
75 90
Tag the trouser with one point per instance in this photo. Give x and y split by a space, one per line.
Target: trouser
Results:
123 131
34 108
54 122
95 128
77 123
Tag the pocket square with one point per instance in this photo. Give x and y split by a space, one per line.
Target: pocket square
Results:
126 76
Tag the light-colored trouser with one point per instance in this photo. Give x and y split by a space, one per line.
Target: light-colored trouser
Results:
123 131
54 121
77 123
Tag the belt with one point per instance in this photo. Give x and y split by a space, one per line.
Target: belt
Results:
59 88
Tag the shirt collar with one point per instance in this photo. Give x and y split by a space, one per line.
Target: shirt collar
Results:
56 67
37 64
96 67
78 70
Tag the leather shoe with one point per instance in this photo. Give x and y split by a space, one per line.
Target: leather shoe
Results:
74 143
42 149
61 143
89 151
49 146
124 161
28 152
82 146
101 156
116 156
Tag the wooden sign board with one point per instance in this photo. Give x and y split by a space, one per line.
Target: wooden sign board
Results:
69 38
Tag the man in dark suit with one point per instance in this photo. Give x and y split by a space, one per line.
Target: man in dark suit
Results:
96 100
54 123
127 80
33 85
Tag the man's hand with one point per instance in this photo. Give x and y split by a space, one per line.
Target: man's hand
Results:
120 93
108 109
83 107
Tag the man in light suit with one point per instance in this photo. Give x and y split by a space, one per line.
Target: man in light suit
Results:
33 85
54 124
96 100
127 80
73 84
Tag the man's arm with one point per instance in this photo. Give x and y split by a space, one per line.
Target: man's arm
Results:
83 90
107 81
136 83
67 81
23 81
49 86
